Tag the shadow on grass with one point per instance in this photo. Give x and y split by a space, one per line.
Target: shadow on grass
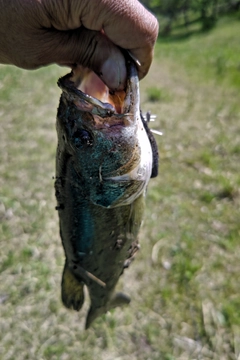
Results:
183 35
196 27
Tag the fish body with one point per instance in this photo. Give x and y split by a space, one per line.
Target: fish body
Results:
103 165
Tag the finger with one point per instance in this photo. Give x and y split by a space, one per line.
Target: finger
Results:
127 24
91 49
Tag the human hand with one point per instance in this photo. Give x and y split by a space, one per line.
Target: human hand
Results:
87 32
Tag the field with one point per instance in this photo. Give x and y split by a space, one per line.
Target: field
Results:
184 283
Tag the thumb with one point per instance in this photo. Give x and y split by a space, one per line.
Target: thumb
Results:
91 49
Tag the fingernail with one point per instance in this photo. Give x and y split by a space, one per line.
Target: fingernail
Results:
114 73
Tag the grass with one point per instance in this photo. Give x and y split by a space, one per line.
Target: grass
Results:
154 94
184 282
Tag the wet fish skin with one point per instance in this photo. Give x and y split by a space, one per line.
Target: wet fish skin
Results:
103 166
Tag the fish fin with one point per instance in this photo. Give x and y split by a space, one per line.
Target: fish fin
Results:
72 290
93 313
118 299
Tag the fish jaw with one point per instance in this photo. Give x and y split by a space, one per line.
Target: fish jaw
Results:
86 90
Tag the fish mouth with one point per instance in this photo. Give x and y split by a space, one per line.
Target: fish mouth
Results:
90 94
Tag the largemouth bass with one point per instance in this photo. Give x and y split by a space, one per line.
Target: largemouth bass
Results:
105 158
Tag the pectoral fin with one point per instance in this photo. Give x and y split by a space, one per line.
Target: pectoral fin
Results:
72 290
119 299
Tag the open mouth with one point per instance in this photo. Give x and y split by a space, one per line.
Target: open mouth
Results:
90 84
89 93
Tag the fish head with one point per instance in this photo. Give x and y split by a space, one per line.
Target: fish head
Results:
103 137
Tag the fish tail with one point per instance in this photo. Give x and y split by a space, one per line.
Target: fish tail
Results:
118 299
72 290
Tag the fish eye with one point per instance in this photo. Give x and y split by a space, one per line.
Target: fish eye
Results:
81 138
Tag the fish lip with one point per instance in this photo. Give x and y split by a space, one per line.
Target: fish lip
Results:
103 109
72 93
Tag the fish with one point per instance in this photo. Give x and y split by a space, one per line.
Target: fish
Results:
105 157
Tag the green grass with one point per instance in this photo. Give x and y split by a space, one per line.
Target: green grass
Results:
154 94
184 282
216 52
